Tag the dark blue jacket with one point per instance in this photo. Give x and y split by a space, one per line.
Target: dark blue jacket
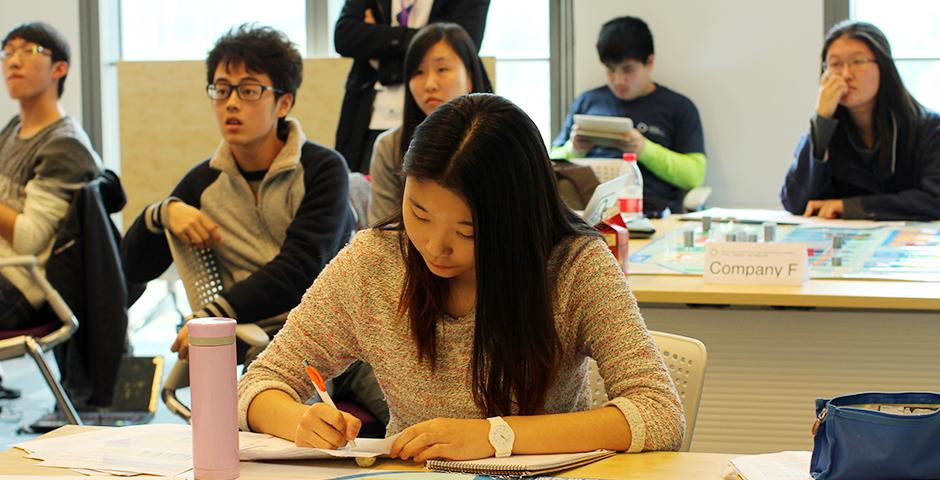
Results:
908 188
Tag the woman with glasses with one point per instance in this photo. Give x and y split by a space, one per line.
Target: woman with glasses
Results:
873 151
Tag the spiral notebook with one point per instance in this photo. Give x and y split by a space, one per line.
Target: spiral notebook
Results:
520 465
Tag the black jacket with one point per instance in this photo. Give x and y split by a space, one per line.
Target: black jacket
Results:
361 41
85 267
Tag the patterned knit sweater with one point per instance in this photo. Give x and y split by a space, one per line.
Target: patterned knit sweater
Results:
350 310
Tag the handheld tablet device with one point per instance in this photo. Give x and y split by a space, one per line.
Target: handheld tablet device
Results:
602 123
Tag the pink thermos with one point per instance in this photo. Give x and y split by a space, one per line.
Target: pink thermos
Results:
213 390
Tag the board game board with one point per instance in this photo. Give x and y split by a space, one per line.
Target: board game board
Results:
909 253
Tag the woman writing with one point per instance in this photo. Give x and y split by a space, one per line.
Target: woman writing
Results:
478 308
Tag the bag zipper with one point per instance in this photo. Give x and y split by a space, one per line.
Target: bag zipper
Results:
819 420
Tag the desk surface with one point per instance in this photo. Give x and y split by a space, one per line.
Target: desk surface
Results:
839 294
624 466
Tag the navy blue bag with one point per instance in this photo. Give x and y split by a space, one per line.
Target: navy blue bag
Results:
853 441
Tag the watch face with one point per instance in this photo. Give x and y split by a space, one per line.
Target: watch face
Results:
502 434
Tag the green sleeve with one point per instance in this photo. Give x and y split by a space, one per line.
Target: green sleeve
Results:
684 170
565 151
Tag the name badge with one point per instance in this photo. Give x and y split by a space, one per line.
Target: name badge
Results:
756 263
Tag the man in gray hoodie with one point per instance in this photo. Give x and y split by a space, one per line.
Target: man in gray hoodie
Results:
45 157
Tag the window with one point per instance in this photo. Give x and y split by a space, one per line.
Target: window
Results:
517 34
913 29
186 29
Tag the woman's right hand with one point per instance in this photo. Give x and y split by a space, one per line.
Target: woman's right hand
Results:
831 90
323 426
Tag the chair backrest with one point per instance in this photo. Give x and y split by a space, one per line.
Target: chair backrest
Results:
604 168
202 279
685 358
14 346
34 342
198 269
608 168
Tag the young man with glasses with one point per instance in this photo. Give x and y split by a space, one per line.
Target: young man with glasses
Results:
271 205
45 157
668 138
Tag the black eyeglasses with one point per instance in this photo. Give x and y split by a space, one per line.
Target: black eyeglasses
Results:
249 92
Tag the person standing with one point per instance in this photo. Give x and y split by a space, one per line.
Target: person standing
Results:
376 34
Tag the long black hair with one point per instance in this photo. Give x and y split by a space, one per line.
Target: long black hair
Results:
893 102
457 38
487 150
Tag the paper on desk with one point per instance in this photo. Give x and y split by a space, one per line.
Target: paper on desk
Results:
782 217
60 477
260 446
151 449
167 450
773 466
747 215
816 222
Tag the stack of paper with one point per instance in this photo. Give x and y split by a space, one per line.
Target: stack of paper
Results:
166 450
773 466
260 446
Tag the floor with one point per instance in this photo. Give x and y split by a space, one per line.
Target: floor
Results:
152 329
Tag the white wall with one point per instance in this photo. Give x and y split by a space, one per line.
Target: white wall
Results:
61 14
750 67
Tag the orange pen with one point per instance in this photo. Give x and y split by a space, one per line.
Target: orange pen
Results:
320 385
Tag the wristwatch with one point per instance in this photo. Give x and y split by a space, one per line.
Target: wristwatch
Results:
501 436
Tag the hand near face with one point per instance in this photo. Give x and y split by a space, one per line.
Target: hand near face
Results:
831 90
188 224
825 208
323 426
448 438
579 143
369 17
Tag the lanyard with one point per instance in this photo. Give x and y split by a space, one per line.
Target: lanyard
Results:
403 15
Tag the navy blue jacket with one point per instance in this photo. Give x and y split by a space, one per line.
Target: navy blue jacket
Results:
906 189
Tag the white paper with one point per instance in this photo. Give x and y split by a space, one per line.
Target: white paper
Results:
151 449
60 477
781 217
166 450
259 446
747 215
773 466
